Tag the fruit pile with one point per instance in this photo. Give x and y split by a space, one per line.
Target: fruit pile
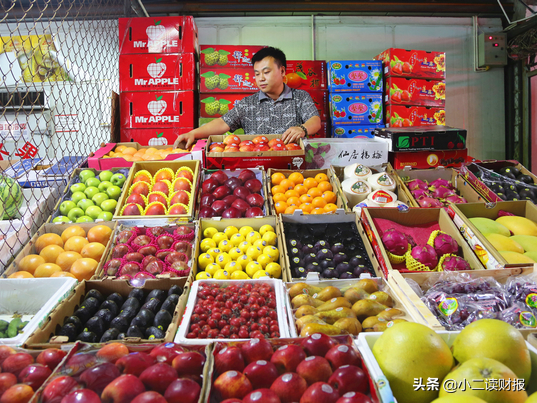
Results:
74 253
143 154
100 319
145 253
509 183
165 193
333 311
233 144
234 311
311 195
239 254
229 196
12 328
92 197
333 250
316 369
166 373
22 374
438 193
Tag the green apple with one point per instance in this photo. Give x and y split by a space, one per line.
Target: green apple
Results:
91 191
93 211
77 187
99 198
105 175
61 218
77 196
105 215
84 218
104 185
84 204
85 174
92 182
109 205
114 192
118 179
67 206
75 213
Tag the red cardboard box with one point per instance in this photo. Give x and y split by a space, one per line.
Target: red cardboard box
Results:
406 116
413 63
306 74
415 91
428 159
321 101
158 35
217 104
227 55
322 133
146 110
153 137
241 79
164 72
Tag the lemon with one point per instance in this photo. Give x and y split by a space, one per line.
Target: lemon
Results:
260 273
243 246
266 228
203 275
212 268
236 239
264 260
252 268
272 251
209 232
230 231
253 236
221 275
225 245
214 252
222 259
219 237
254 252
235 253
269 238
260 244
204 260
239 275
274 270
243 260
245 230
232 267
207 244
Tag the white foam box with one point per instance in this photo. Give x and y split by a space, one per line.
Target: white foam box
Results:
184 325
34 299
366 341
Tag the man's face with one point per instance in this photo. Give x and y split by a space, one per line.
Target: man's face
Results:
268 76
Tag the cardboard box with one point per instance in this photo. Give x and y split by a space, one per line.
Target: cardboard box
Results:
153 137
489 256
353 131
227 55
158 35
355 76
267 159
406 116
320 99
30 173
415 91
423 138
413 216
306 74
158 72
218 104
149 110
240 79
413 63
323 132
428 159
356 108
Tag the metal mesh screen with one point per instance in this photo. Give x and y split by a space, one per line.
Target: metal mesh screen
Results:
58 68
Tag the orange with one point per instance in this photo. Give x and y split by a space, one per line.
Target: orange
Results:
84 268
310 183
318 202
30 262
66 259
290 210
62 274
315 192
287 184
324 186
130 151
75 244
50 253
293 201
306 198
100 233
276 178
21 274
321 177
279 197
93 250
330 208
73 230
296 178
119 149
46 270
329 196
47 239
291 193
306 207
317 211
280 207
301 189
278 189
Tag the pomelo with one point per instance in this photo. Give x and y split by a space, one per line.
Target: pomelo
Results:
10 197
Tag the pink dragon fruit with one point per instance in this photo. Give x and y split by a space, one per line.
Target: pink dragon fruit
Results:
395 242
453 263
417 184
503 213
440 182
456 199
429 202
426 255
419 193
442 192
444 244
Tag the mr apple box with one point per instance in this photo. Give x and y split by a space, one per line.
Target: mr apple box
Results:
153 137
218 104
165 72
415 91
355 76
306 74
227 55
406 116
158 35
145 110
413 63
240 79
356 108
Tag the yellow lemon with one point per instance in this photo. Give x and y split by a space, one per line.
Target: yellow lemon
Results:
225 245
236 239
266 228
230 231
239 275
243 246
232 267
222 259
272 251
221 275
254 252
269 238
260 273
245 230
214 252
253 236
212 268
235 253
243 260
219 237
204 260
252 268
264 260
207 244
203 275
209 232
274 270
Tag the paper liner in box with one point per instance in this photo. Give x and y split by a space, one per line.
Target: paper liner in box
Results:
396 259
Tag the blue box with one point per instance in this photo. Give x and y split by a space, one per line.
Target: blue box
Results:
355 76
353 131
357 108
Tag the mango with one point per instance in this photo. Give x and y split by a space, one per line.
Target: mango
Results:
501 242
528 242
488 226
515 258
531 255
518 225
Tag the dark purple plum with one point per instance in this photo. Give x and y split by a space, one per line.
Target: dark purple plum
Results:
300 272
360 269
343 267
310 258
356 260
326 263
337 247
321 244
324 254
296 262
314 267
339 257
329 273
295 252
294 243
308 248
346 275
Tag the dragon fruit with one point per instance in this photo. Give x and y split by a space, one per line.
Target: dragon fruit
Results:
444 244
456 199
440 182
419 193
503 213
442 192
452 263
395 242
417 184
426 255
429 202
410 240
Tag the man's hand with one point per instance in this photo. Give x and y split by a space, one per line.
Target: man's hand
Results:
189 137
292 135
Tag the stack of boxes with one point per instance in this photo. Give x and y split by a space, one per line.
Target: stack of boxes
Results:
355 97
157 78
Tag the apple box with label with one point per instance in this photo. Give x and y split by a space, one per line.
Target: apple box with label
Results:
413 63
428 159
354 76
217 56
406 116
218 104
306 74
165 72
153 137
158 35
241 79
415 91
353 131
356 108
145 110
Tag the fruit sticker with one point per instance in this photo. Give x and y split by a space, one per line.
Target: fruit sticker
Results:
531 300
527 319
355 75
449 306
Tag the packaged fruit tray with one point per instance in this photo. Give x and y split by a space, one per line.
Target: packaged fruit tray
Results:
338 307
317 368
126 372
150 248
160 189
101 311
90 195
270 296
78 256
240 249
233 194
20 315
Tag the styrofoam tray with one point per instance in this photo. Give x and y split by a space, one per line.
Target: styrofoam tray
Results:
184 326
32 298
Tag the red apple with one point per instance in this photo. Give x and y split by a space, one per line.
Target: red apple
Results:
247 148
82 395
228 359
256 349
273 142
260 139
137 199
209 185
140 188
135 363
157 197
232 139
217 149
317 344
189 363
206 212
166 352
58 388
241 192
254 212
233 182
180 184
219 206
184 173
343 354
221 191
177 209
279 147
261 396
319 392
132 209
183 390
292 146
158 377
231 212
19 393
354 397
245 175
164 187
96 378
246 143
123 389
230 199
155 208
349 378
232 384
255 200
15 363
232 149
216 144
34 375
220 176
50 357
287 358
7 380
261 374
289 387
79 362
206 200
253 185
261 147
149 397
5 351
314 369
241 205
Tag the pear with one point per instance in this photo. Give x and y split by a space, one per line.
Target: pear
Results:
312 328
327 293
390 314
304 299
368 284
382 297
304 320
355 294
348 325
335 314
382 326
368 323
334 303
303 288
366 308
305 310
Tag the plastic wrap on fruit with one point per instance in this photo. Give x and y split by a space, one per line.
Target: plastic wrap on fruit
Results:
519 315
523 289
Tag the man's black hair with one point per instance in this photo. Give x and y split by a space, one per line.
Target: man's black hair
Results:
277 54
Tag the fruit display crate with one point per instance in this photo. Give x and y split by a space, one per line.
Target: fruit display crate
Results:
267 159
141 227
206 174
193 300
53 228
484 250
312 287
46 336
46 294
309 173
413 217
152 167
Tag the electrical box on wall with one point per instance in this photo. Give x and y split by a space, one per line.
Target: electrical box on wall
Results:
492 49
